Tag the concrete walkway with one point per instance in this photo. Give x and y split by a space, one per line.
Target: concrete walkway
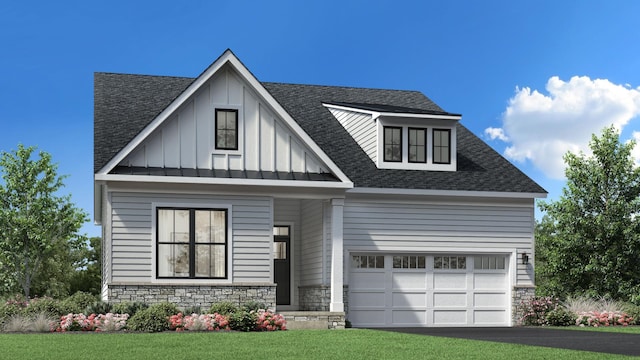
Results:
611 343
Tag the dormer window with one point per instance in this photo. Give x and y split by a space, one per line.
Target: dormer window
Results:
226 129
441 146
393 144
417 145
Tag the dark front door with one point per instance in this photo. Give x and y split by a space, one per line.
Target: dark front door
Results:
281 264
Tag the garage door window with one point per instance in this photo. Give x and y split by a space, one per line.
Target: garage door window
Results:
367 262
409 262
489 262
450 262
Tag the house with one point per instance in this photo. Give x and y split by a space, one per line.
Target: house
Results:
374 204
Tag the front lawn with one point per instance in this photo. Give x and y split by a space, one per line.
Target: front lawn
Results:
302 344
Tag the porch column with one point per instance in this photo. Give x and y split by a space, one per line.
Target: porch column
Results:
337 259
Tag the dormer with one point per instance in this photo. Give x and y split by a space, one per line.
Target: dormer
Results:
399 137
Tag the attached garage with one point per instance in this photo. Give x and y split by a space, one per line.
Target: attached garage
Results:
429 290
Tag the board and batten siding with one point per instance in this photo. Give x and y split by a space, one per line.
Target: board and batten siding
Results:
361 127
132 242
187 137
420 227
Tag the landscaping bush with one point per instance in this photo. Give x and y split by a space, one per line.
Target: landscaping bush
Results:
254 306
223 308
243 321
149 320
153 319
46 305
193 310
634 312
536 310
127 307
195 322
9 309
102 322
596 319
561 317
268 321
78 302
99 307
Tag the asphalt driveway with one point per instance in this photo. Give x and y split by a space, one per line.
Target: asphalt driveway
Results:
611 343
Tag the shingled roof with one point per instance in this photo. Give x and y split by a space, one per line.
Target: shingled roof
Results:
125 104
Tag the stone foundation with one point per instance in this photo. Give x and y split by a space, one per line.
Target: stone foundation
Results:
297 320
193 295
520 294
318 298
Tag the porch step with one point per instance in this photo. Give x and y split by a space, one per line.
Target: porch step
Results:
299 320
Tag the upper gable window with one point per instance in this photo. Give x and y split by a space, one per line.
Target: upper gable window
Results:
441 146
227 129
392 144
417 145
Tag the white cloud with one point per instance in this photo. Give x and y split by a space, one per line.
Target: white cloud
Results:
542 128
496 133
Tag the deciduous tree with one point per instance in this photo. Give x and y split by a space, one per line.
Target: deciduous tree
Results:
589 240
36 222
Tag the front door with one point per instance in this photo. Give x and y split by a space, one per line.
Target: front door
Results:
282 264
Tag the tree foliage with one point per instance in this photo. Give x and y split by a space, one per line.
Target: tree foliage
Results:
589 240
38 227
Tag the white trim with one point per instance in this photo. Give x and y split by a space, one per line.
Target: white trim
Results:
97 203
226 58
223 181
376 114
154 240
431 192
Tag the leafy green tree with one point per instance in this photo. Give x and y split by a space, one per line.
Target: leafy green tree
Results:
87 276
589 240
35 222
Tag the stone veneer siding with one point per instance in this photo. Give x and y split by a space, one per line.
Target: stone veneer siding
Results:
193 295
520 294
318 298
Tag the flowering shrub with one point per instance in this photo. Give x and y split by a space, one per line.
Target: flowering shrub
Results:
195 322
536 310
605 318
93 322
268 321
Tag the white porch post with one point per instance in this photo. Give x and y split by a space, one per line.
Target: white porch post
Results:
337 260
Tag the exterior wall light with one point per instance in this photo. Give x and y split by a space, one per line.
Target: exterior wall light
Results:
525 258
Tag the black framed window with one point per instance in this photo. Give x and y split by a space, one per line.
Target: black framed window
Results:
392 144
227 129
191 243
441 146
417 145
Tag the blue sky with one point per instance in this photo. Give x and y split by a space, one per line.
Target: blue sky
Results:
534 79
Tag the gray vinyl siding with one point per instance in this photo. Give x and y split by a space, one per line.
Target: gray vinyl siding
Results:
133 244
311 253
420 227
361 128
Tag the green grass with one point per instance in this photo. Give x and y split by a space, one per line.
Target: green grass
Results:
301 344
613 329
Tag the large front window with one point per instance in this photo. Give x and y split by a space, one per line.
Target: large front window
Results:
226 129
192 243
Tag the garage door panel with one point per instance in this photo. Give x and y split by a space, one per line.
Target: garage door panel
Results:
489 317
368 280
489 299
409 299
450 317
409 317
411 280
368 299
449 281
489 281
450 299
367 317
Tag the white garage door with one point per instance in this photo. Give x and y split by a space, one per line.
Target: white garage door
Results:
428 290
